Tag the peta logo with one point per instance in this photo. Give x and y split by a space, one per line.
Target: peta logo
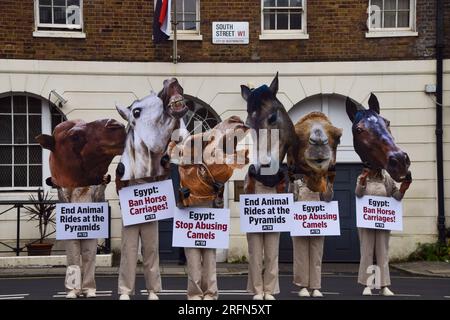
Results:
379 225
267 227
200 243
82 234
314 231
150 217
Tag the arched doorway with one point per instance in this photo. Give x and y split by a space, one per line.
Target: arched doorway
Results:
23 163
346 247
200 116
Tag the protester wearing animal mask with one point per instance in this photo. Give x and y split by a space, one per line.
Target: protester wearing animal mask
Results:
151 122
376 182
205 183
308 251
80 155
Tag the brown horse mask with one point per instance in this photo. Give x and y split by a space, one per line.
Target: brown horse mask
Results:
266 112
316 157
82 152
205 177
373 141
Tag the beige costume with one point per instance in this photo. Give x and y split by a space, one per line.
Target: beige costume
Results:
372 240
82 253
202 276
308 251
263 250
148 233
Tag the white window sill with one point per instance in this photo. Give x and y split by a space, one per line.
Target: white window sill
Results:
188 37
391 34
59 34
283 36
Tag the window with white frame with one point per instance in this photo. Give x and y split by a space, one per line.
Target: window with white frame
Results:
283 17
59 14
22 118
391 16
188 16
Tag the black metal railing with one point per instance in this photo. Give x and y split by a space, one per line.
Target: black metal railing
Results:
20 205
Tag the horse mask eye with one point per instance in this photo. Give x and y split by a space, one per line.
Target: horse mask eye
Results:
273 118
136 113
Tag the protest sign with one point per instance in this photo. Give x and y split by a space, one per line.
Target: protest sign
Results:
147 202
374 212
81 221
265 212
315 218
201 228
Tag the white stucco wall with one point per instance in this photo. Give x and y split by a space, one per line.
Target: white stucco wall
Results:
93 88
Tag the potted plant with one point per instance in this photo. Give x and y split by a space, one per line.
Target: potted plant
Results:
42 210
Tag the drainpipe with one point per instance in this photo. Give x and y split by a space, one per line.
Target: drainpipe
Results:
439 128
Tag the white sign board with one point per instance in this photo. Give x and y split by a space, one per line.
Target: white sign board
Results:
230 33
266 212
315 218
201 228
81 221
379 213
147 202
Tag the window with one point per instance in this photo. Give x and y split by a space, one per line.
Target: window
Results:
391 18
283 19
188 19
59 17
22 118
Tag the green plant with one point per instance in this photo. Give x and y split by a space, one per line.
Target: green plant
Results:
431 252
239 260
42 210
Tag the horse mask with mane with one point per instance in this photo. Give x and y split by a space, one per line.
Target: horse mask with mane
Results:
266 112
373 141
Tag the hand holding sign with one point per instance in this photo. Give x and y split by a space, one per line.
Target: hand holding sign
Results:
379 213
311 218
147 202
265 212
201 228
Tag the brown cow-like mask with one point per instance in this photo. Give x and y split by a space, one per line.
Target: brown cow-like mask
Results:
82 152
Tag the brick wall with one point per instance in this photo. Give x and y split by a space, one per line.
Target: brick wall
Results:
121 31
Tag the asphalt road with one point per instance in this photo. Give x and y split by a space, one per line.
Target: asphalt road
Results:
335 286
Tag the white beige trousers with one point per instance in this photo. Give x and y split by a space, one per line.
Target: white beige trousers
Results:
82 253
148 233
202 277
372 242
263 257
308 253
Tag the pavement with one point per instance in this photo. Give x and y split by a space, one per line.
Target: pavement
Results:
422 268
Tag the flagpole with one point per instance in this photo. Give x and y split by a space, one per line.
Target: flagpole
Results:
175 25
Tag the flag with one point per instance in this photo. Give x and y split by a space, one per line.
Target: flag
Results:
162 26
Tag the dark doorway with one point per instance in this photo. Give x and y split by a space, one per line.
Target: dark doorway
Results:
344 248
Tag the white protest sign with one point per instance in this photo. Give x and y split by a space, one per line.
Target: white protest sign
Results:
265 212
315 218
81 221
147 202
230 33
201 228
374 212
